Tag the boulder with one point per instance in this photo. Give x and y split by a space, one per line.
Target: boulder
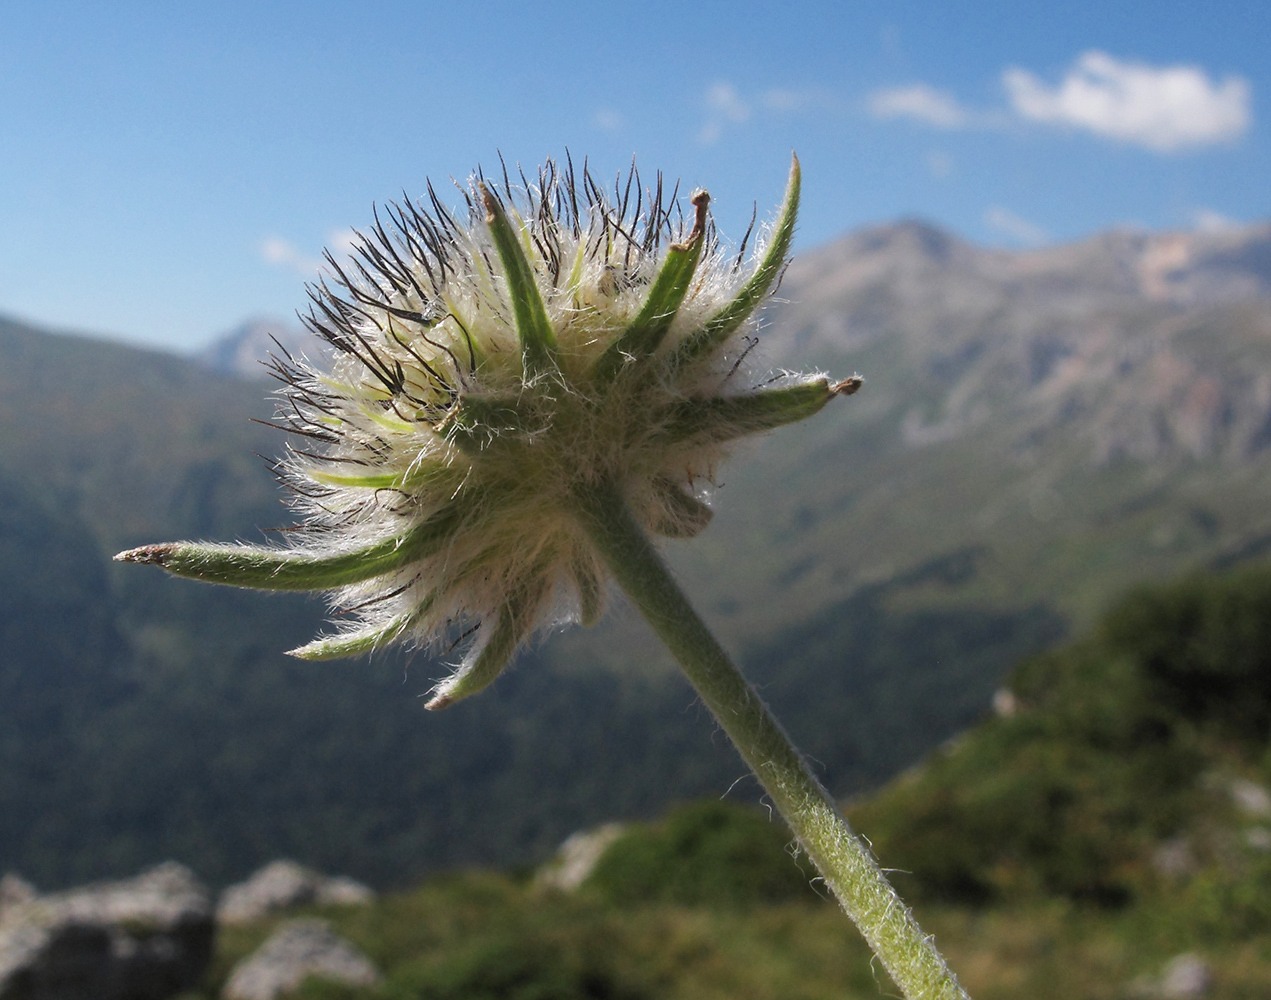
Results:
297 950
1185 977
284 884
14 891
1251 798
145 938
576 858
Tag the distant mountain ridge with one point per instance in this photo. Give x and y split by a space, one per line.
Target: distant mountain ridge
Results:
1103 331
244 350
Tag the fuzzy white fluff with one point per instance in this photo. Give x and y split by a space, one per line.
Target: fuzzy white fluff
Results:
441 448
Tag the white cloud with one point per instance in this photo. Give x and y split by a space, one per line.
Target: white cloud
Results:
607 120
724 106
1206 220
281 253
1014 227
341 242
783 99
1162 108
724 100
727 107
919 102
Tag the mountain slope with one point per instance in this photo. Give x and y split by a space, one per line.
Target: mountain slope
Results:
1128 766
1082 416
1027 443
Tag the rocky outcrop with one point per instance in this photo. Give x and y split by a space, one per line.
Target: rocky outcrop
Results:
246 349
577 857
283 884
297 950
145 938
14 892
1184 977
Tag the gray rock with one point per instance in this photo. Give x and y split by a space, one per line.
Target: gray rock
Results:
1005 704
145 938
1251 798
1185 977
343 891
1259 838
577 857
14 891
297 950
283 884
1174 858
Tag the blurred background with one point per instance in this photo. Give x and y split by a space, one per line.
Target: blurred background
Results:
1042 236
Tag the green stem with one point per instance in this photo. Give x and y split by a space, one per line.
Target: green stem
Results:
909 956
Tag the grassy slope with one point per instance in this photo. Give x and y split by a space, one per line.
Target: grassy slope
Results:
1028 847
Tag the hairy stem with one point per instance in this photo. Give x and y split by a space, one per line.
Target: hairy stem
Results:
908 955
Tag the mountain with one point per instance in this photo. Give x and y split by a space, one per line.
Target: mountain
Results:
1037 431
1101 335
1081 417
244 350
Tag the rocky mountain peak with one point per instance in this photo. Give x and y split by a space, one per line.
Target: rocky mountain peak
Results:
242 350
1144 345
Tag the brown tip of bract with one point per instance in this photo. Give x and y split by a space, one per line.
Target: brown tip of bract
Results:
700 201
437 702
488 200
154 554
848 386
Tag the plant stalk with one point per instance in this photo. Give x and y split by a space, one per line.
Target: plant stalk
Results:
909 956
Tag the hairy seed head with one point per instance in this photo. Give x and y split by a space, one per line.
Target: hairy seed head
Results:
484 373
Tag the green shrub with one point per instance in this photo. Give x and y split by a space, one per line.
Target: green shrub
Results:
511 967
1101 761
705 853
1204 645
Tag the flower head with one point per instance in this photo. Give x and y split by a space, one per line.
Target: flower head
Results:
483 376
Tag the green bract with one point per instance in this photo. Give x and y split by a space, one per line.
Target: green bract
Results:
485 381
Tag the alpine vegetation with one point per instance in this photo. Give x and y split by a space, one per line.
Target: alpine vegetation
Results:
488 376
514 402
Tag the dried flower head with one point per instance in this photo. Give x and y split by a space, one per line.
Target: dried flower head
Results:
484 375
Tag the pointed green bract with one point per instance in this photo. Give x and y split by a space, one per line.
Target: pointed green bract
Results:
650 327
266 568
387 481
723 418
723 324
333 647
513 625
538 342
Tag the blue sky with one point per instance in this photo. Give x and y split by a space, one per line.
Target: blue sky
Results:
167 170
